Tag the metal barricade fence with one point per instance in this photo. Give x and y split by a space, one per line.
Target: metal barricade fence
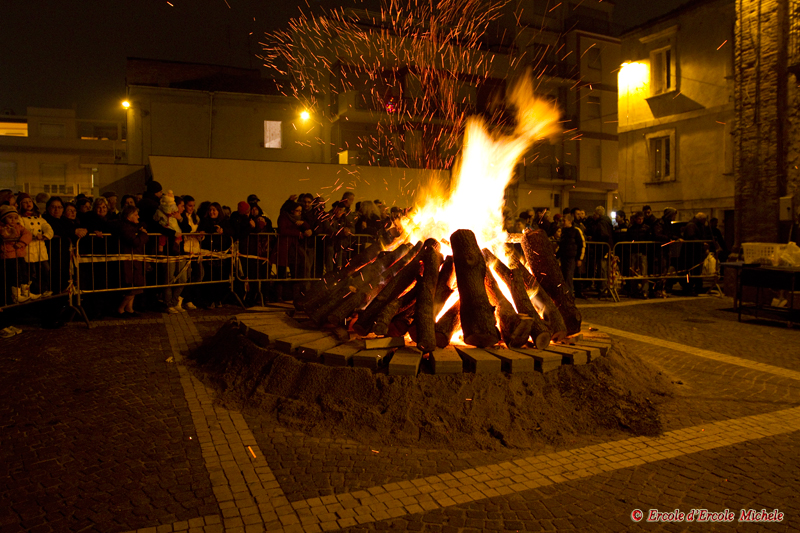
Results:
42 272
273 257
596 268
664 263
106 263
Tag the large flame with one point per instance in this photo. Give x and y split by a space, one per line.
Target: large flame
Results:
476 195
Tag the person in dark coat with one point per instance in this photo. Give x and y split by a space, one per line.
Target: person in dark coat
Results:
694 252
667 238
219 239
571 248
639 255
132 239
148 205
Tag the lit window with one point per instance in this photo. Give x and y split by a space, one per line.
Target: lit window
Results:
273 131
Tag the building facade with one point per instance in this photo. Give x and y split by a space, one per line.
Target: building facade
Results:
571 49
767 119
676 113
52 151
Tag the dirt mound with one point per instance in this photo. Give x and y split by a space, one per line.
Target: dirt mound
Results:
614 394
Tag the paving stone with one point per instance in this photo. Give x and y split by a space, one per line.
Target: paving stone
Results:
479 361
372 359
342 355
513 362
405 361
384 342
544 361
446 361
312 351
289 344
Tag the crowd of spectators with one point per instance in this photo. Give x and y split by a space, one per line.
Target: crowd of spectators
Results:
673 247
307 239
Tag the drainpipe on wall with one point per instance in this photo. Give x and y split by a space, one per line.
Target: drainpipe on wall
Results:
210 121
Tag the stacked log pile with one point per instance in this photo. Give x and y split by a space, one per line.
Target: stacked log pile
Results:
404 291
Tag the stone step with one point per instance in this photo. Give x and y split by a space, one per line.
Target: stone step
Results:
312 351
511 361
342 355
264 335
446 361
570 355
405 362
385 342
479 361
371 359
544 361
600 345
288 344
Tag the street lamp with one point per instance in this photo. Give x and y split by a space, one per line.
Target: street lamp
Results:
305 115
126 104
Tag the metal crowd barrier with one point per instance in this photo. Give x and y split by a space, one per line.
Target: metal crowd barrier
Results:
661 264
26 282
270 257
106 263
595 268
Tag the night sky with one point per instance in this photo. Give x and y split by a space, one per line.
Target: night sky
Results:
72 53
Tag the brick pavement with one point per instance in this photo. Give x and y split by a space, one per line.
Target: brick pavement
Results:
728 418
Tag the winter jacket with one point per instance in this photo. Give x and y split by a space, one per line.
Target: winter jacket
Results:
37 249
572 244
12 235
289 239
132 241
214 241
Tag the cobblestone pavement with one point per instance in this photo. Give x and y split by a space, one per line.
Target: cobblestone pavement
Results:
104 429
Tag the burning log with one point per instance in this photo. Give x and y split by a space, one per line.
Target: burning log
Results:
345 289
514 280
320 289
542 262
546 306
393 309
444 285
389 293
447 324
477 314
424 316
367 289
514 329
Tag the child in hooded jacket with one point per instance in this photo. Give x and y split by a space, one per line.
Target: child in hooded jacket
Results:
15 241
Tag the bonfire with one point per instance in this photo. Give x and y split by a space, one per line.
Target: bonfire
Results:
448 279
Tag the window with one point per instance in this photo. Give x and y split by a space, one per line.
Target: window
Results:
662 71
273 134
55 131
662 156
54 178
8 174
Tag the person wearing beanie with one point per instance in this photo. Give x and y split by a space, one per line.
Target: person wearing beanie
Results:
168 216
149 204
166 207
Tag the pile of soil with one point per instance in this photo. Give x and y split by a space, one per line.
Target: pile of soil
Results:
617 393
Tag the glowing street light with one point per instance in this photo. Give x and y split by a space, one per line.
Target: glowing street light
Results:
126 104
305 115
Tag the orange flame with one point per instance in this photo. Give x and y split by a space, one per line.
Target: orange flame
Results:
476 195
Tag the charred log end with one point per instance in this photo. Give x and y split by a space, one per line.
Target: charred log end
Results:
483 340
521 333
542 340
